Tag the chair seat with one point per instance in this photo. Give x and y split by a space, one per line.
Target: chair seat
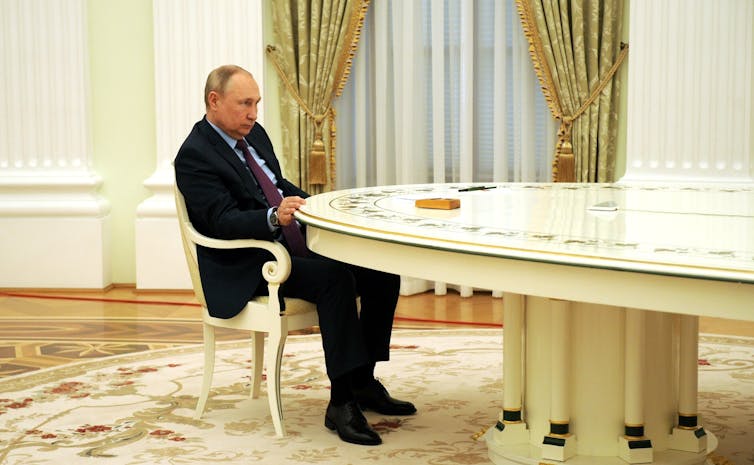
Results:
292 306
257 317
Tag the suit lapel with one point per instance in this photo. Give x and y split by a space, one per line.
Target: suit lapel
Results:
229 155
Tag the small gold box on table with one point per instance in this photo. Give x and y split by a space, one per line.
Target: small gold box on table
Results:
438 203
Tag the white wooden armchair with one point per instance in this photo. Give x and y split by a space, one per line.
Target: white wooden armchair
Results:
261 315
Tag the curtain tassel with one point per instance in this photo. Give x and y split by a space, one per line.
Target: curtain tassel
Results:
565 162
317 156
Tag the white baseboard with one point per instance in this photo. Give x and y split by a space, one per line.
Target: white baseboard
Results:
55 252
160 260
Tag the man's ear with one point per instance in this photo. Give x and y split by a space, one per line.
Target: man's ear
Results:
212 98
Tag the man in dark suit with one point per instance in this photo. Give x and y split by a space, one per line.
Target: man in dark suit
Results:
226 199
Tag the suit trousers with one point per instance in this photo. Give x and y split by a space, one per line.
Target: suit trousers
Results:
351 338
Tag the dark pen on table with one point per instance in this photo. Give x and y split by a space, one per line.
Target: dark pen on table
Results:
476 188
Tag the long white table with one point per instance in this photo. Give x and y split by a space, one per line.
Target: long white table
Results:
603 285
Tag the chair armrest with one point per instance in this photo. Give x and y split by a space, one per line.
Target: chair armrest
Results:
274 272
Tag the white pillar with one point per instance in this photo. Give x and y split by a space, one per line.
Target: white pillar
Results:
560 359
53 223
635 351
688 435
191 37
688 364
510 428
560 443
689 82
634 447
513 315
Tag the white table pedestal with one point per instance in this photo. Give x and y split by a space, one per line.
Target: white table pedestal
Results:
599 357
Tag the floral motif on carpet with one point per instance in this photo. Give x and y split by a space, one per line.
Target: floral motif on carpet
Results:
139 408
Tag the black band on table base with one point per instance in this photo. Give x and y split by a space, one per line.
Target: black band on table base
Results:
558 428
634 431
640 444
687 421
560 442
512 415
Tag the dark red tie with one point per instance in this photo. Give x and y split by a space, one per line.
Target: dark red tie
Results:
292 233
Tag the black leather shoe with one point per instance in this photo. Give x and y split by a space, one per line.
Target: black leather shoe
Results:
350 424
375 397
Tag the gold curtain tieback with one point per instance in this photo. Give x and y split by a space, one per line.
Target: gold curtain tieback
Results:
566 162
317 155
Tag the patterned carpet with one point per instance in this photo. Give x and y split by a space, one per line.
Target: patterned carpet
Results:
56 343
137 408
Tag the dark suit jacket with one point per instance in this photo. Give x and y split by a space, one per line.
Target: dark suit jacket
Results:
224 202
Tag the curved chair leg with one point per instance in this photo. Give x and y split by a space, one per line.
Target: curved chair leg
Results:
257 362
209 368
274 358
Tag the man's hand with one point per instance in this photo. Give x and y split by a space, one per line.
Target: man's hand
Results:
287 208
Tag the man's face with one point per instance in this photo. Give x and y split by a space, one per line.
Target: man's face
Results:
235 112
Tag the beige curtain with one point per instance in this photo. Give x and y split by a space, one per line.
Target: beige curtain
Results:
575 46
316 42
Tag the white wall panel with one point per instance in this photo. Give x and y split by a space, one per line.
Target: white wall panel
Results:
52 220
191 38
690 90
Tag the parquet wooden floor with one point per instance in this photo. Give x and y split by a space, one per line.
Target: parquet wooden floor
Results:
41 329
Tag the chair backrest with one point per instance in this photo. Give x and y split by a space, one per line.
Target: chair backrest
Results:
189 247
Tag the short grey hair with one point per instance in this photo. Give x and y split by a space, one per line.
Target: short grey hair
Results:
218 78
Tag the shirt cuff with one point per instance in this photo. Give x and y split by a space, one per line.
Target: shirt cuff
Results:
273 229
